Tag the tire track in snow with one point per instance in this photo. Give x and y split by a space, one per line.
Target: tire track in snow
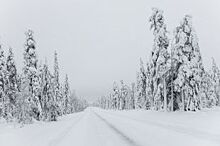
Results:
55 141
129 141
183 130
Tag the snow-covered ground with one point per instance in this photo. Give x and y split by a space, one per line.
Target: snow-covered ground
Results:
97 127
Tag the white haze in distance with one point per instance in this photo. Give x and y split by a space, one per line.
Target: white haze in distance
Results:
100 41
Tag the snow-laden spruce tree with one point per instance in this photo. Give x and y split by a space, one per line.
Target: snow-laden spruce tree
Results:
108 101
44 82
41 81
58 96
23 102
133 94
125 96
187 65
67 105
111 101
215 75
149 90
49 108
138 91
101 102
3 102
11 88
31 72
141 87
73 102
115 96
159 55
208 96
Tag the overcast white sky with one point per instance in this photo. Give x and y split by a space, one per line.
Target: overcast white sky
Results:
101 41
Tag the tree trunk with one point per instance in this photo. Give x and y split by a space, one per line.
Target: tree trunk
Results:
183 99
165 94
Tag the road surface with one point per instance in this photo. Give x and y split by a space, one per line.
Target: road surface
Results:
96 127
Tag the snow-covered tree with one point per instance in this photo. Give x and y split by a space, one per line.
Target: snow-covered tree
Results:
126 100
215 75
58 97
11 83
23 102
141 87
31 72
133 94
208 96
137 102
115 96
188 66
149 90
111 101
159 55
3 102
67 105
108 102
41 72
48 97
123 94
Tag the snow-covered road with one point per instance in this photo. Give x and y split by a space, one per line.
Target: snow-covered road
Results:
96 127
